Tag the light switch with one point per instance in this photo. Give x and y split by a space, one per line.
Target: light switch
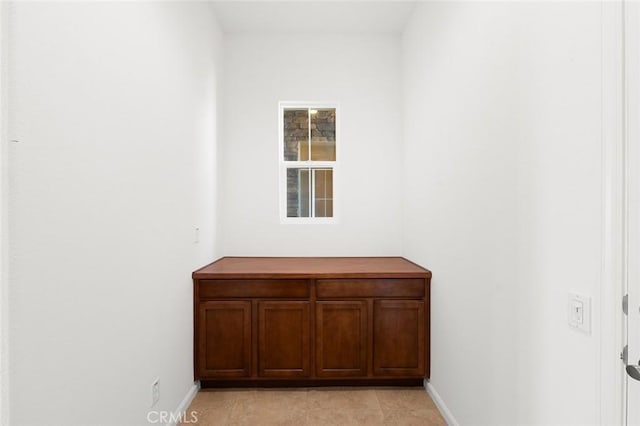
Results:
577 312
580 312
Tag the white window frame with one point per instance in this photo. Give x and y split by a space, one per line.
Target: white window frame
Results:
283 165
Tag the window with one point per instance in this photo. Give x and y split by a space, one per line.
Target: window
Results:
307 162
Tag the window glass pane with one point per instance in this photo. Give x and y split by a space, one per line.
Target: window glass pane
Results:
296 134
298 197
323 192
323 134
309 192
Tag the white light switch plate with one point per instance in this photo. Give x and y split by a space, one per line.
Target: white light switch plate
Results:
579 312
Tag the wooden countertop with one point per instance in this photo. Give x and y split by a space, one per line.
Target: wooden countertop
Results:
308 267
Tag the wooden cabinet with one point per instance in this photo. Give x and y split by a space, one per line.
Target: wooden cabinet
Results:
224 340
398 338
283 339
341 339
315 321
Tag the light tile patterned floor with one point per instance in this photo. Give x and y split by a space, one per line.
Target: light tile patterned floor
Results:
314 406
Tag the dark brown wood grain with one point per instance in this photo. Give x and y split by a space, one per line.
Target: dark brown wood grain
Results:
370 287
341 339
224 348
319 381
248 288
399 338
311 267
427 330
317 321
283 339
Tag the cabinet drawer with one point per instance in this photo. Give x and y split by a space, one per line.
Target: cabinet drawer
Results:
365 287
217 289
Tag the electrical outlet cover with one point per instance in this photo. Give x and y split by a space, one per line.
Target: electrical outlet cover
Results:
155 391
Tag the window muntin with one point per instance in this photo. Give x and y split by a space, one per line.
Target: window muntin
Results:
307 162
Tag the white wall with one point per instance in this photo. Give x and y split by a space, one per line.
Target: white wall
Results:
114 106
4 281
559 210
459 198
362 74
503 202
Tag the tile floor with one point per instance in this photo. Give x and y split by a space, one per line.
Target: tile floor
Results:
314 406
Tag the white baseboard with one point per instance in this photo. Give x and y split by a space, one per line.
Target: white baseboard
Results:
186 401
442 407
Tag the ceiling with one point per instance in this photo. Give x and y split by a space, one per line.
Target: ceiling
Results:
313 16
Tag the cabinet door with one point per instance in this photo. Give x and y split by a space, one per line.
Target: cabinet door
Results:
283 339
224 339
341 339
399 338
